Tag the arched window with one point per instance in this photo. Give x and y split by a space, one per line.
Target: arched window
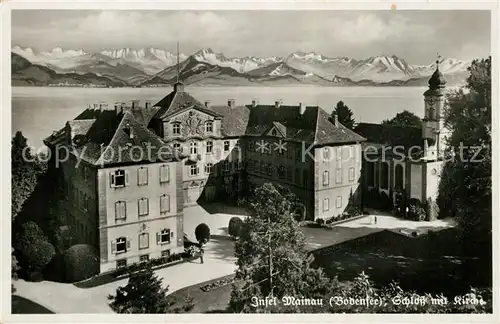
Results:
176 128
398 177
384 176
326 178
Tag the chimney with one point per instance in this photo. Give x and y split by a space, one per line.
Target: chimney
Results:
118 108
277 103
178 87
135 104
147 104
336 120
207 103
302 108
255 103
95 106
231 103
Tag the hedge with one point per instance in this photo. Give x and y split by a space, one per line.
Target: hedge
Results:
81 262
234 227
202 233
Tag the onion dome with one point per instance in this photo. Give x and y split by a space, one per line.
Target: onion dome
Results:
437 80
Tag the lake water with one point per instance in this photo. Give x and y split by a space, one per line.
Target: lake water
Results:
38 111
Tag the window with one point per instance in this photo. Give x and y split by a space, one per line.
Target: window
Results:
163 237
143 206
165 253
289 174
338 176
338 202
121 245
281 172
226 146
143 241
193 148
86 202
326 153
398 177
251 146
178 147
86 173
164 173
274 132
297 176
208 168
118 178
209 126
121 263
176 129
193 170
289 153
384 176
210 146
144 258
351 174
339 153
326 204
326 178
298 155
225 166
120 210
142 176
165 204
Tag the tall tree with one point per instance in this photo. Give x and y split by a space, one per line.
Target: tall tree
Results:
271 255
405 119
466 178
143 294
344 115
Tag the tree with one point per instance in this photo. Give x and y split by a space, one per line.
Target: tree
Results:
33 248
404 119
271 255
81 261
143 294
344 115
202 233
14 269
234 228
466 184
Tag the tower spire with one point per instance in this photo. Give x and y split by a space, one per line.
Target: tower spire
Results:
439 57
178 68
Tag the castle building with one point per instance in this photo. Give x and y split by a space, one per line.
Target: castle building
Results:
127 174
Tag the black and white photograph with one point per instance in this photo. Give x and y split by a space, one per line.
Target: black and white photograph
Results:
182 161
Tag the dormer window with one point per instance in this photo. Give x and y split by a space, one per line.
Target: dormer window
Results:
274 132
209 126
176 128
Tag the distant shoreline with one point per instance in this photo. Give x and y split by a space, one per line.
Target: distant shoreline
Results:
223 86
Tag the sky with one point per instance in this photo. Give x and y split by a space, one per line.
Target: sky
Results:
416 36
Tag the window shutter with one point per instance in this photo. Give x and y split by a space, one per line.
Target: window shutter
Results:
128 243
158 238
112 180
113 246
126 178
171 234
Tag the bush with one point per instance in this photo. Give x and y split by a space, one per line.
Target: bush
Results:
320 221
33 249
235 225
416 210
81 262
373 198
202 233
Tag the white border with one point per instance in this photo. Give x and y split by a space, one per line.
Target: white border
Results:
5 91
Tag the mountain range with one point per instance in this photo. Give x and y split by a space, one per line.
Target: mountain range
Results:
150 67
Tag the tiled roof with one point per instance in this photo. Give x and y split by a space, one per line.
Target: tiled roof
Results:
234 119
327 132
114 138
391 135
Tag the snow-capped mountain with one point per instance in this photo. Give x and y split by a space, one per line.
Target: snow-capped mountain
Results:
150 64
150 60
240 64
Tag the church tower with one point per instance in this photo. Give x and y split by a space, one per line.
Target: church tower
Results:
433 131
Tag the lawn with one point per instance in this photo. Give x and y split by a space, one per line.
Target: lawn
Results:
431 263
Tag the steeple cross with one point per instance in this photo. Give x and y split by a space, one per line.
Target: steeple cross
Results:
439 57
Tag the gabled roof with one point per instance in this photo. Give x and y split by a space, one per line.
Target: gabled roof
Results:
280 128
326 130
391 135
234 119
112 138
178 101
